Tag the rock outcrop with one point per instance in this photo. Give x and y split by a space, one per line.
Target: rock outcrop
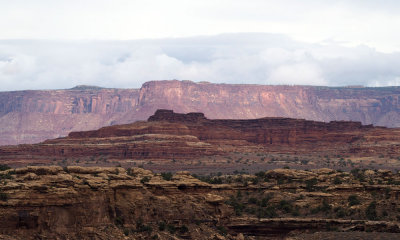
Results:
33 116
172 137
116 203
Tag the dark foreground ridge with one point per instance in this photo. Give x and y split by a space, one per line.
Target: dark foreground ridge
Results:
115 203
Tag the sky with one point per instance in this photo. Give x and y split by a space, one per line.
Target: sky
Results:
54 44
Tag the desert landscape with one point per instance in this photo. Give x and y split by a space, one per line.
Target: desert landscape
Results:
199 120
184 176
171 141
115 203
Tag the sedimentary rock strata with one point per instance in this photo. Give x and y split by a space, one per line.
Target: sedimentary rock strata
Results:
115 203
188 138
34 116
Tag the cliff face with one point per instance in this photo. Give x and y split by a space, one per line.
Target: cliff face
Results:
33 116
115 203
169 136
378 106
102 203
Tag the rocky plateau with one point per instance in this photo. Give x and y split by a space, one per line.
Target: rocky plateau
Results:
171 141
34 116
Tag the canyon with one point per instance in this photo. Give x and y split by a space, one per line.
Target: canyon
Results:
36 115
187 176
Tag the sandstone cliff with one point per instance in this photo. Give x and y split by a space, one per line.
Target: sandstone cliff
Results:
186 141
33 116
115 203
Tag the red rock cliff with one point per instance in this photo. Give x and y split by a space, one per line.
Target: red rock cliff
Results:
169 136
33 116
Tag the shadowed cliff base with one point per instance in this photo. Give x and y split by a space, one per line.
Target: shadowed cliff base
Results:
34 116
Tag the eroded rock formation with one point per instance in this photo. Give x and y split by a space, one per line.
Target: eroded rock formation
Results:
169 136
33 116
114 203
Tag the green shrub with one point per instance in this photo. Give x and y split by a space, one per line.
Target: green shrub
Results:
250 210
65 168
324 207
260 174
296 212
387 192
265 200
119 221
3 197
171 228
222 230
209 179
353 200
4 167
340 212
145 228
215 180
41 171
183 229
6 176
280 181
310 184
252 200
285 206
140 227
337 180
239 195
370 211
167 176
358 174
162 226
130 172
145 179
237 206
268 212
254 181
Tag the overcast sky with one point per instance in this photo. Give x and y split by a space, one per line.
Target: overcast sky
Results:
123 43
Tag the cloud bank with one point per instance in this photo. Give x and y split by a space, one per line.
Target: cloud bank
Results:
369 22
252 58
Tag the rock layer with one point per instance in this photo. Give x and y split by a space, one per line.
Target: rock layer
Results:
169 136
115 203
33 116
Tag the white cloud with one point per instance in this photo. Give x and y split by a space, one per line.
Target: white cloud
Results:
368 22
229 58
298 74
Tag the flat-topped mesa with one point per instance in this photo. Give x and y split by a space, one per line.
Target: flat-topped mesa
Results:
347 125
175 136
267 122
265 131
262 130
34 116
170 116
